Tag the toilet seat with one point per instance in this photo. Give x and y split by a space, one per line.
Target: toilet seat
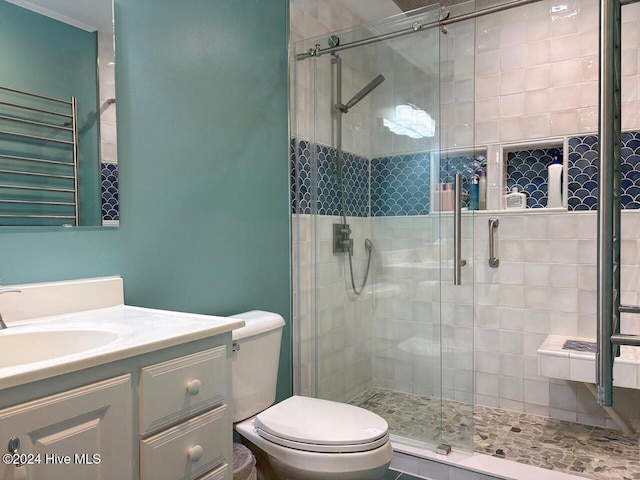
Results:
323 426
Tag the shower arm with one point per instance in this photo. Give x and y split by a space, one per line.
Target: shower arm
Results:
364 91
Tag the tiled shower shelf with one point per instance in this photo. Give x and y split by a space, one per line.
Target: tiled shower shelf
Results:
527 211
520 211
556 362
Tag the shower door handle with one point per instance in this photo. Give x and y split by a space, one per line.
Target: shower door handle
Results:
458 262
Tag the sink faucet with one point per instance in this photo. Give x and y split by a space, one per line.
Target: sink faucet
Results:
7 290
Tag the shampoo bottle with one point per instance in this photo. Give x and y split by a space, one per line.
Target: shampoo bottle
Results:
515 200
482 191
473 194
555 182
446 197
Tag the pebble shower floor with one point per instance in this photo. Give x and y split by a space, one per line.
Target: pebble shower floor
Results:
592 452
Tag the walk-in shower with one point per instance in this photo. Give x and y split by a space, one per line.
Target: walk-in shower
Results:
478 364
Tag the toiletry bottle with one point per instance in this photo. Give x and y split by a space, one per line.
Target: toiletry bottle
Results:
515 200
473 194
446 199
555 182
482 191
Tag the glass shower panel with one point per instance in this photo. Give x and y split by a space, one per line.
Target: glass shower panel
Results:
406 315
369 151
303 184
334 356
460 165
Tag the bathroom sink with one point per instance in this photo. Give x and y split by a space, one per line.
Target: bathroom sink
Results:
34 346
62 327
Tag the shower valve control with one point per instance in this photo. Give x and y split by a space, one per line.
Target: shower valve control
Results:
342 241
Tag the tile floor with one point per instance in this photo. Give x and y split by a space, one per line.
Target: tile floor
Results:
593 452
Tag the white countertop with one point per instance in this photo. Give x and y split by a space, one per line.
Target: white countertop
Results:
134 331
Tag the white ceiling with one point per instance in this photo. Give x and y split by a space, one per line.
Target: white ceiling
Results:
90 15
370 10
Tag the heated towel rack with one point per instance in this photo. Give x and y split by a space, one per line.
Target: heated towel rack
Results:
609 308
38 159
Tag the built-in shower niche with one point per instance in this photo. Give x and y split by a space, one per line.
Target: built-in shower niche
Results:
469 163
526 167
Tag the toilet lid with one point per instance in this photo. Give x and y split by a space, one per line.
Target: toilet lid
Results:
317 425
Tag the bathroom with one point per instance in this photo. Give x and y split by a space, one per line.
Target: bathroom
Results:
209 85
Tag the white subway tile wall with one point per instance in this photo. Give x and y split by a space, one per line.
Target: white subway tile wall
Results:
549 56
545 285
343 326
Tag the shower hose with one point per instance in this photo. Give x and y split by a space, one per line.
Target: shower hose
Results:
368 244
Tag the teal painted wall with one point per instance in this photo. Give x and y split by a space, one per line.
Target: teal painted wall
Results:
204 194
203 156
48 57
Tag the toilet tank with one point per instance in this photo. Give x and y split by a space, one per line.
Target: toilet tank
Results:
254 364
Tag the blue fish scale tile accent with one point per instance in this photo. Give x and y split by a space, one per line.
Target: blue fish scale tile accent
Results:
293 174
630 170
528 170
109 191
583 173
400 185
355 172
355 175
328 190
301 178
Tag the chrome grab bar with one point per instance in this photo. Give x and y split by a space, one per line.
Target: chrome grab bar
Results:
458 262
494 262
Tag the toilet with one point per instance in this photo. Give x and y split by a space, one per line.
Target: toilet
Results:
300 438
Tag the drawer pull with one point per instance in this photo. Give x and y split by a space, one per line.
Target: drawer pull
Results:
194 386
195 453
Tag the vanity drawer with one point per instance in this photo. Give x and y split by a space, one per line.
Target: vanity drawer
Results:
217 474
189 450
173 390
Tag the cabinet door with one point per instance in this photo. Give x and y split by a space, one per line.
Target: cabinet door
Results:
69 429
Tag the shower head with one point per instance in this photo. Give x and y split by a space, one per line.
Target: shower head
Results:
366 90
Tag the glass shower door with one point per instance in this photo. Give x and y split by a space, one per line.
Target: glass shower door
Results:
406 351
369 156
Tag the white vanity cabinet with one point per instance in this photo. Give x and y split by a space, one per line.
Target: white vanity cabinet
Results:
76 434
164 415
147 390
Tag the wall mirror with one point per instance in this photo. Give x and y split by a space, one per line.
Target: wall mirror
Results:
58 155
